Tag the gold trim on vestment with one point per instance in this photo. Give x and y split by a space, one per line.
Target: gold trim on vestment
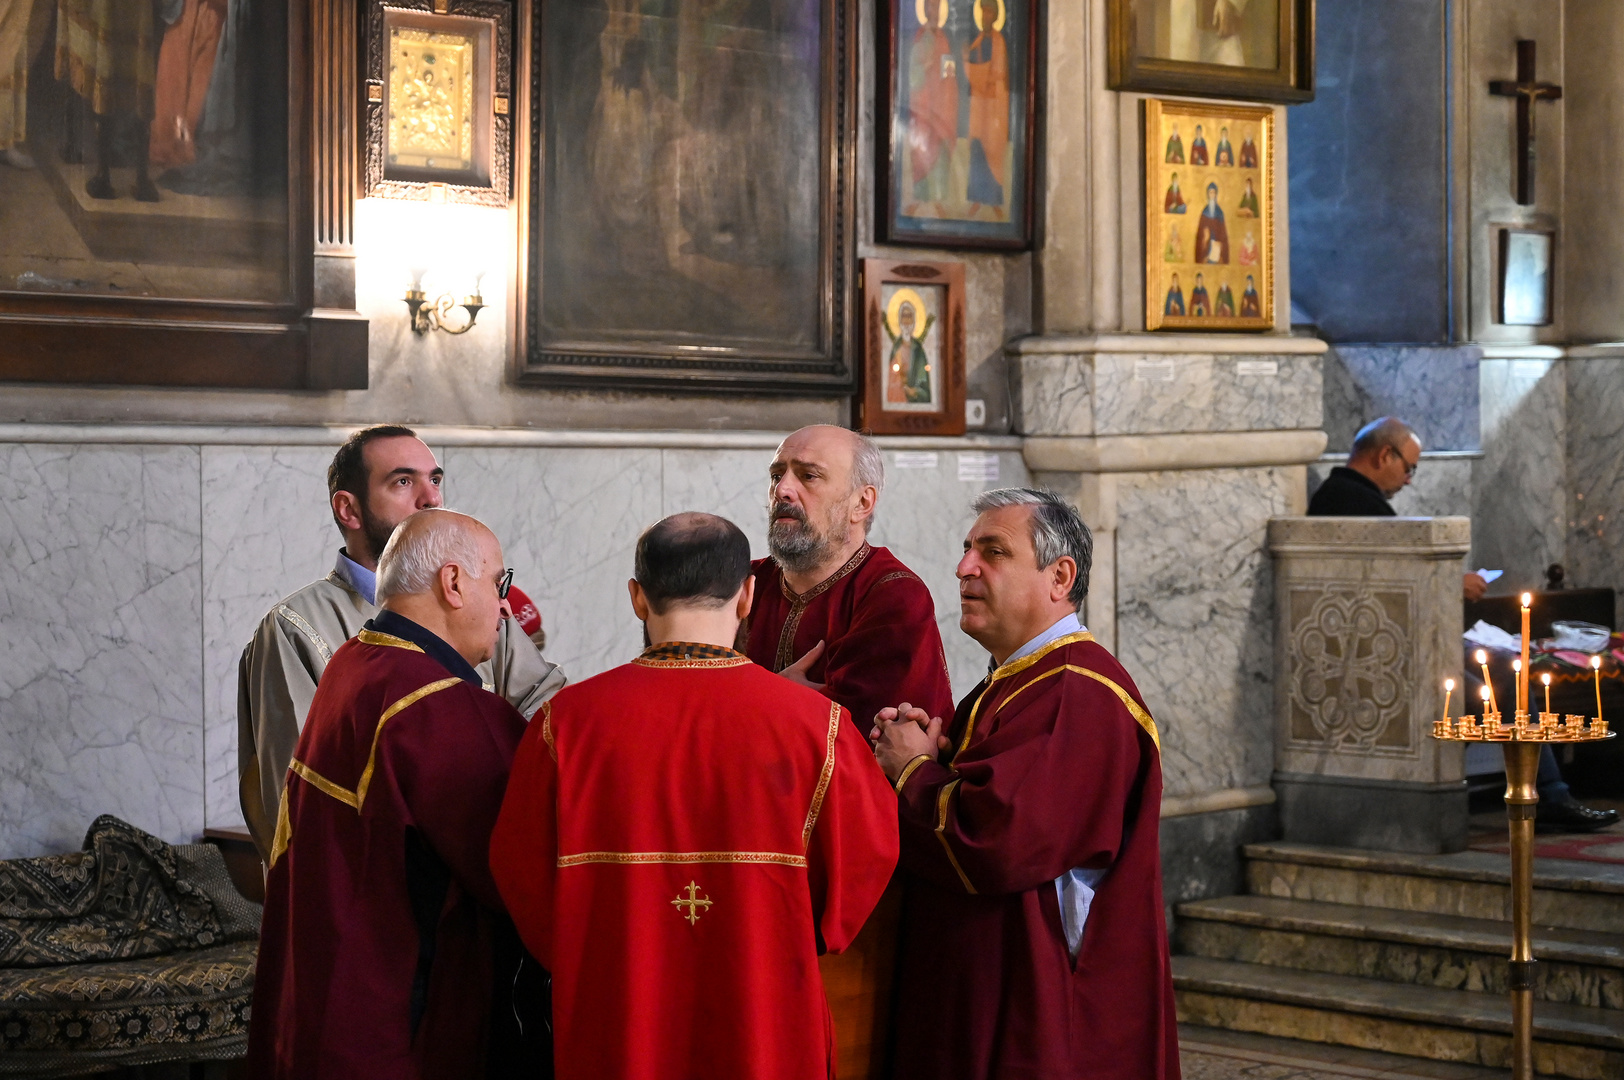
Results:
639 858
1015 667
695 662
284 829
547 728
942 798
798 604
823 776
410 699
1139 714
307 630
377 637
324 785
908 770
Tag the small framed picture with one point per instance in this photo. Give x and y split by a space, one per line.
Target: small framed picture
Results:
1209 216
439 101
1260 50
1525 276
913 348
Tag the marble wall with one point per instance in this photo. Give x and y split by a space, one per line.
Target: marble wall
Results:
136 573
1433 389
1595 443
1520 487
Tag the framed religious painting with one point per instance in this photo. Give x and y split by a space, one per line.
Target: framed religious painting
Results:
958 109
439 100
1525 276
1258 50
1209 216
913 348
176 193
686 196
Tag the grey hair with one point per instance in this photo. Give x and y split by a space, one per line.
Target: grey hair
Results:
867 470
412 559
1383 431
1057 529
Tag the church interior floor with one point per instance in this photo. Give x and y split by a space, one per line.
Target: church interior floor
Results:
1215 1054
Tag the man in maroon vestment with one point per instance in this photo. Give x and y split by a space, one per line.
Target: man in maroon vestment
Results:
375 954
1033 941
831 612
684 834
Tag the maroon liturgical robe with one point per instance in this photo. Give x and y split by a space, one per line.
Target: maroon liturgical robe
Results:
878 625
376 946
1056 767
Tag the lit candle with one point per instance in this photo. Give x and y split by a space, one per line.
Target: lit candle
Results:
1488 684
1595 665
1487 703
1546 679
1449 688
1522 679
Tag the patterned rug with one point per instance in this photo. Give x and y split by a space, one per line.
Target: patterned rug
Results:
129 952
1603 847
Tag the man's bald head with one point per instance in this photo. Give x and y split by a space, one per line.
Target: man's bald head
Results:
691 559
1386 452
827 443
1387 431
427 541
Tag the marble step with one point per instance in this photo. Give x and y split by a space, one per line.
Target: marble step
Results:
1577 967
1570 1041
1474 884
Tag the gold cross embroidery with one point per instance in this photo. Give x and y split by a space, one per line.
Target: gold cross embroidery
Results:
692 903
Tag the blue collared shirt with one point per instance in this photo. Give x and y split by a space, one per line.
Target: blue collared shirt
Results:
357 577
1075 887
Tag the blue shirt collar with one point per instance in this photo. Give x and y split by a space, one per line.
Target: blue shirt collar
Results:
357 577
1069 624
388 622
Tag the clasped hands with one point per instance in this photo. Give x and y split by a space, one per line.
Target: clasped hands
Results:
901 734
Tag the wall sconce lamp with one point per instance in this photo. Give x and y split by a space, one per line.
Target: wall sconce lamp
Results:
429 314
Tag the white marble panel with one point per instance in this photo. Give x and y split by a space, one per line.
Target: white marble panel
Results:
1595 439
1441 487
922 519
267 531
1519 487
1153 394
732 483
568 521
1054 394
1432 388
1194 610
101 684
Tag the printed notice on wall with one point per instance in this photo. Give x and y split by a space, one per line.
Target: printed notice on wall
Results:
1158 370
914 459
1265 368
976 467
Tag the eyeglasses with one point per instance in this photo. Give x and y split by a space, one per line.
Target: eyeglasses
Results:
504 583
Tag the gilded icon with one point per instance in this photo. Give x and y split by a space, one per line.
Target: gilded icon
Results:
914 348
913 357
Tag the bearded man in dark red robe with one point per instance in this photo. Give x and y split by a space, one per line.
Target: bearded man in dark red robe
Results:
1032 937
377 945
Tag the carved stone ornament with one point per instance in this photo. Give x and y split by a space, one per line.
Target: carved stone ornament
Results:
1350 671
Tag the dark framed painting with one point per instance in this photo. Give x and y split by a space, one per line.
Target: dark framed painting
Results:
1257 50
958 116
913 348
1209 216
176 190
439 101
687 195
1525 276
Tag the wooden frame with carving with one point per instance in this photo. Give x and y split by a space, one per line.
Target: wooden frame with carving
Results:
1272 60
1209 216
913 348
301 330
478 36
658 305
932 47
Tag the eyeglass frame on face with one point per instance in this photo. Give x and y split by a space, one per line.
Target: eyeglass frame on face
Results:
1409 469
504 582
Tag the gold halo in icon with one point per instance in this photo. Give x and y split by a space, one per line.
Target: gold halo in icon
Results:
894 308
998 24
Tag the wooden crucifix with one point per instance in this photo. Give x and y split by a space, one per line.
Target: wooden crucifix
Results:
1527 91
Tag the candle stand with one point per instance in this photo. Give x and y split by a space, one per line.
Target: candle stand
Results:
1521 741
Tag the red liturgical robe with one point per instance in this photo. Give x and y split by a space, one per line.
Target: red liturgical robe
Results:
678 837
1057 768
375 950
878 625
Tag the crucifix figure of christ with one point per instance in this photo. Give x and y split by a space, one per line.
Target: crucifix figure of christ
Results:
1527 91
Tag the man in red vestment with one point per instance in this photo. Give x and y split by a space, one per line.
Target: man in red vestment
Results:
1033 941
684 834
831 612
375 955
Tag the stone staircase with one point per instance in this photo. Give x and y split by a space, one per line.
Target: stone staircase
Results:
1407 953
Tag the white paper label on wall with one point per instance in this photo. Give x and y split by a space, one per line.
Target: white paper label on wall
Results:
1148 370
1266 368
914 459
976 467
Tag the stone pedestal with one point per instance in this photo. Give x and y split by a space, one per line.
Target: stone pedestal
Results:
1367 627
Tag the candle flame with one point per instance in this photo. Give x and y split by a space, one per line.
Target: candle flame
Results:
1546 678
1527 599
1482 656
1483 692
1595 662
1516 665
1449 684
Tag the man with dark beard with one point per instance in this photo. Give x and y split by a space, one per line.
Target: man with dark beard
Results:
831 612
379 477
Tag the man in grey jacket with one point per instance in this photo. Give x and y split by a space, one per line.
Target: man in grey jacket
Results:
378 478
